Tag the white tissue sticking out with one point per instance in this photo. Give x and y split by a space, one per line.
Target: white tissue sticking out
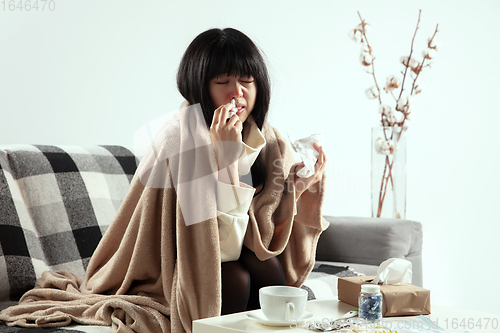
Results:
234 110
304 148
393 271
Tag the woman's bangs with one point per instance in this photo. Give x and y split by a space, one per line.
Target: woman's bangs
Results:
232 63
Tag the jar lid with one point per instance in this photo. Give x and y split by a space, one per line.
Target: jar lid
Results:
370 288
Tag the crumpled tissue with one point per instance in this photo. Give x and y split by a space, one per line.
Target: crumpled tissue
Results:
394 271
304 148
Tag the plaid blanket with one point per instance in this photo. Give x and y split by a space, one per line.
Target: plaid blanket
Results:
55 205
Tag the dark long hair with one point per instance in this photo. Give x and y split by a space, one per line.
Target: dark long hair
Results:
217 52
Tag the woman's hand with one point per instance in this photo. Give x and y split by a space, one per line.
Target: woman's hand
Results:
227 138
303 184
224 129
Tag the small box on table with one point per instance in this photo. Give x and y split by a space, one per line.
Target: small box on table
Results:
398 299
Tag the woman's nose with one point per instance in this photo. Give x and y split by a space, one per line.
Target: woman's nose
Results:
237 90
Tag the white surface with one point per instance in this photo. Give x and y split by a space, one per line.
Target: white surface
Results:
93 72
450 318
239 322
262 319
322 310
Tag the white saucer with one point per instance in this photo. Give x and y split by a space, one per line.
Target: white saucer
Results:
259 316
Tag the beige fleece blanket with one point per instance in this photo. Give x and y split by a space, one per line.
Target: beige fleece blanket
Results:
153 271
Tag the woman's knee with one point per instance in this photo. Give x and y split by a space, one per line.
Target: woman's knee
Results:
235 276
268 272
235 287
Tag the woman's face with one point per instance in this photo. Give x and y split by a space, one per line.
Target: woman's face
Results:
242 88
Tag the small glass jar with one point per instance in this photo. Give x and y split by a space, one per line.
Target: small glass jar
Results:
370 303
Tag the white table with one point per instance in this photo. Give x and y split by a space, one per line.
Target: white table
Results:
447 318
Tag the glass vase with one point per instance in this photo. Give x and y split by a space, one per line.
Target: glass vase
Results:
388 172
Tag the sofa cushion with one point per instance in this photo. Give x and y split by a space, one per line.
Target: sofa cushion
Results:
370 241
55 205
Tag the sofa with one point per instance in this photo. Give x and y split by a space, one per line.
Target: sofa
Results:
56 202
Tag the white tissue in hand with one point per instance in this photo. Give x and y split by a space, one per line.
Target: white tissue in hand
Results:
393 271
304 148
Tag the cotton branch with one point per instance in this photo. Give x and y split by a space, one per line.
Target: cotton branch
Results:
409 57
370 51
423 61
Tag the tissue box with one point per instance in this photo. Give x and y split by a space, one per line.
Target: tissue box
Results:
398 299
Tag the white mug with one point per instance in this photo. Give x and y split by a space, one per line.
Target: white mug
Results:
282 303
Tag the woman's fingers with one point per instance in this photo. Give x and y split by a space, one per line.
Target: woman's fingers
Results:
321 156
225 127
301 184
222 115
299 167
322 160
225 113
233 119
216 117
319 166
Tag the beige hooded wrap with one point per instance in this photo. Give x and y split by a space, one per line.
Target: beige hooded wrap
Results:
153 271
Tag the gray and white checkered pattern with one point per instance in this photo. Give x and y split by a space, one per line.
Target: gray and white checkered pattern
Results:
55 205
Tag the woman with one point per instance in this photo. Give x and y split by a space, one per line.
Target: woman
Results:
162 263
219 66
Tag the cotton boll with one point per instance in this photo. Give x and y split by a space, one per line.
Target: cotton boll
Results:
402 103
413 62
367 28
429 53
405 104
391 117
418 88
372 92
400 116
384 109
384 147
404 60
388 148
394 117
379 144
415 66
366 59
392 83
356 35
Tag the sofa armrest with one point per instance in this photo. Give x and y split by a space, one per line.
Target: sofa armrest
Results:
370 241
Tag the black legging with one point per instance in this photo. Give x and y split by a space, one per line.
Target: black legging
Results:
242 279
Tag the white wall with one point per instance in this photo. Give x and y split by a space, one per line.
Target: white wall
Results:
92 72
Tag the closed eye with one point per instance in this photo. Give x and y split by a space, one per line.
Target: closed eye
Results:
222 82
